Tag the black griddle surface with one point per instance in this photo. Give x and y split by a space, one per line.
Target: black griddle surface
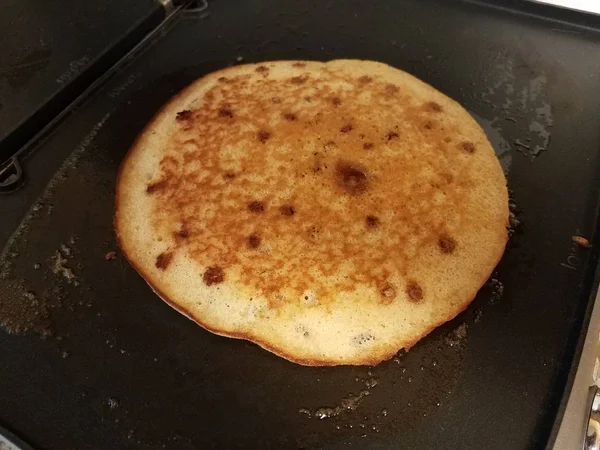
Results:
46 45
123 370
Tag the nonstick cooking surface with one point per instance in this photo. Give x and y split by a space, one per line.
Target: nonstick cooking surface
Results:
92 358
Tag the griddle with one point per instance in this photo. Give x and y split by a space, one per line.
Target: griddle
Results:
92 359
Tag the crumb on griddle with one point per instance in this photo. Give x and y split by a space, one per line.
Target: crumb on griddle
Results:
581 241
110 256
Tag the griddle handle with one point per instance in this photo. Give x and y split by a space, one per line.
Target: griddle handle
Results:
591 439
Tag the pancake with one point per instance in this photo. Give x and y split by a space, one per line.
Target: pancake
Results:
332 213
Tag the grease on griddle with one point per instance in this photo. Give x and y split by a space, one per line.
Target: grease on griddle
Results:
112 403
521 106
348 403
22 312
478 315
514 222
60 267
458 337
65 250
414 383
497 289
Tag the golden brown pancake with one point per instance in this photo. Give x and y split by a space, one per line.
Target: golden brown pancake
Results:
332 213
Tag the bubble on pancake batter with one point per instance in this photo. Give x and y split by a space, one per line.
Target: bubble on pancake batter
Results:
309 298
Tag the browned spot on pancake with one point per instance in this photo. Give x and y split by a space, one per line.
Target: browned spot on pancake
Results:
448 177
318 163
329 144
289 116
169 162
392 135
276 100
229 175
298 64
468 147
313 233
368 145
308 99
287 210
428 125
254 240
372 222
388 293
365 79
262 69
316 119
163 260
186 114
346 128
256 206
447 140
391 89
182 234
414 291
157 186
213 275
447 244
336 101
225 112
351 177
222 79
263 136
433 106
299 80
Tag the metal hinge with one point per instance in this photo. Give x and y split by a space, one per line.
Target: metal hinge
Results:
189 5
197 6
167 5
11 175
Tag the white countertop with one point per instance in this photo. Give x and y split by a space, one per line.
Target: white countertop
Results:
582 5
